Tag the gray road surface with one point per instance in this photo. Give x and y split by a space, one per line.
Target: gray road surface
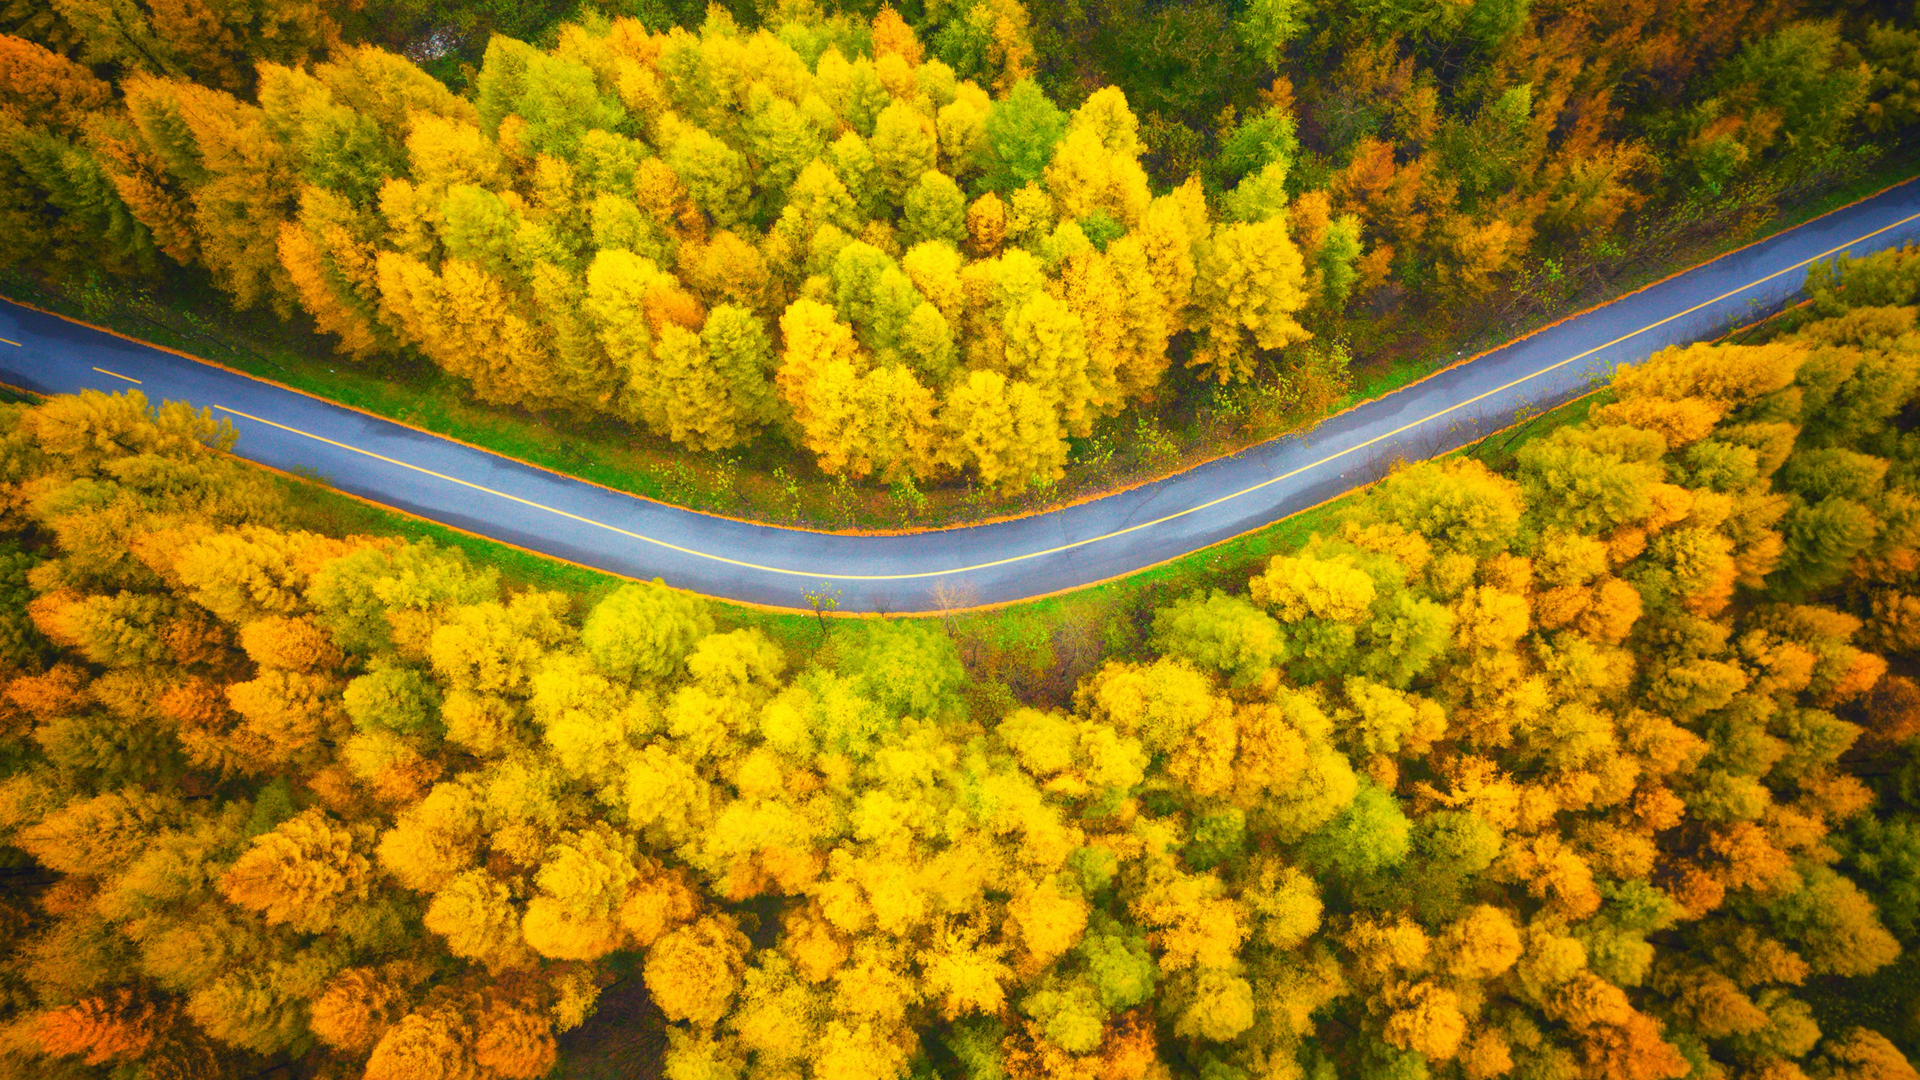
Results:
525 505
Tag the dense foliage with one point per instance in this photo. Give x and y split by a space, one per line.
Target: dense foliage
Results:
1488 143
873 234
708 234
1549 775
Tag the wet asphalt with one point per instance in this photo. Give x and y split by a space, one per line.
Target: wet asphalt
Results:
1093 541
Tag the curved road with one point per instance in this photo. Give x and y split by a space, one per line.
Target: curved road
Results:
1010 560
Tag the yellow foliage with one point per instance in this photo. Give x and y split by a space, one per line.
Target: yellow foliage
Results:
1487 619
1249 282
777 1016
515 1043
874 984
481 723
252 573
1049 920
813 945
476 916
292 644
581 888
466 319
666 792
1587 1001
964 975
303 873
658 901
1553 872
434 1045
1284 902
1004 429
290 715
1384 949
1085 176
357 1007
986 223
1480 944
1192 922
1485 1055
693 972
434 839
863 422
858 1051
1549 960
1428 1021
1220 1008
497 648
1299 587
1610 615
99 1030
1164 703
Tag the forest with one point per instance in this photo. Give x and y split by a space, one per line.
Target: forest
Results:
913 246
1600 761
1602 766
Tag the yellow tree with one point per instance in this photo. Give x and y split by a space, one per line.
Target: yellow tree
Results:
813 339
1096 169
328 254
582 885
1046 347
303 873
1249 281
683 394
226 166
1004 429
904 148
694 972
359 1005
472 325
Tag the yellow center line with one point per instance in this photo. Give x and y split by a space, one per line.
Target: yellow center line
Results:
13 343
117 375
1335 456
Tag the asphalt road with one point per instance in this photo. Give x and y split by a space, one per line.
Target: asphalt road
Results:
521 504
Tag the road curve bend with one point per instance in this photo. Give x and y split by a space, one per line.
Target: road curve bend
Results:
521 504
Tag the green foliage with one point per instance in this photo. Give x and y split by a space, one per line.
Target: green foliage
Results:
394 698
1262 139
908 666
20 643
1022 129
354 596
1217 838
1821 539
1455 844
1266 26
1225 633
644 630
1888 278
1119 964
1371 835
1883 854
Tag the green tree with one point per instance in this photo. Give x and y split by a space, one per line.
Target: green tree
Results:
643 632
1222 632
1022 130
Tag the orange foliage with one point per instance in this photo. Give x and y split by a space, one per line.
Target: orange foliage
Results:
116 1028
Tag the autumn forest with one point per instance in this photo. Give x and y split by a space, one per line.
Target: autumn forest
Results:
1593 758
913 253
